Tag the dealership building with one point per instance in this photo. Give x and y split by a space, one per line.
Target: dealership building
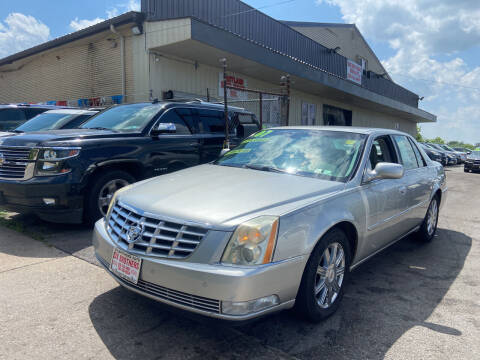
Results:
171 49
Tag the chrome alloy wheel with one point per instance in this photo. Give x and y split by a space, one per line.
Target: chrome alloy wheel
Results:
330 274
107 192
432 217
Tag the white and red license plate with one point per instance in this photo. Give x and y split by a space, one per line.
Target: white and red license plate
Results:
127 266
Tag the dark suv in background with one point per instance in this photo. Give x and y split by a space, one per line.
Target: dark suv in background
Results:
14 115
71 175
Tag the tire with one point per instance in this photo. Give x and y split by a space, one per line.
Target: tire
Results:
429 226
312 301
104 185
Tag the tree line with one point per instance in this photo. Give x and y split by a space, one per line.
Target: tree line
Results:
439 140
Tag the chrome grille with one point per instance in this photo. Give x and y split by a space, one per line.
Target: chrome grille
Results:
178 297
13 162
159 237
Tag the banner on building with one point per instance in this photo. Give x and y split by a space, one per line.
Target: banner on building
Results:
354 72
232 81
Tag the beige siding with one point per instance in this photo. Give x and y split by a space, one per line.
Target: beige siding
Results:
82 69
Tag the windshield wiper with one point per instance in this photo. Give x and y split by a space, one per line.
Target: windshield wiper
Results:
17 131
267 168
99 128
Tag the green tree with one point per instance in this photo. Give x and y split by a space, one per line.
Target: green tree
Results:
419 136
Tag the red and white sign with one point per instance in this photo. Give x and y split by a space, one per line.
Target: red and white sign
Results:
354 72
125 265
233 81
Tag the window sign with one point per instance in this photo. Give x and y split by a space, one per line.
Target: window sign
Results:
354 72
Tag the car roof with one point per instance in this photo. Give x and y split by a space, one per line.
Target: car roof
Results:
32 106
72 111
193 104
349 129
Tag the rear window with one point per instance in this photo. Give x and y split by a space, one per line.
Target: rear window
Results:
212 121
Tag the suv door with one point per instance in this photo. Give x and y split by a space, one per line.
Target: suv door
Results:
385 198
417 178
212 133
176 151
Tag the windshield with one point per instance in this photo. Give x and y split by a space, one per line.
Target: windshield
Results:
330 155
447 148
46 121
124 118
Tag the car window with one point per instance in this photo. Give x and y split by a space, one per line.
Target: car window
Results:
11 118
420 160
188 117
171 116
245 119
329 155
381 151
124 118
31 112
407 155
76 122
212 121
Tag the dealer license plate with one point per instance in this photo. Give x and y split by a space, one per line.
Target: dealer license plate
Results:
126 266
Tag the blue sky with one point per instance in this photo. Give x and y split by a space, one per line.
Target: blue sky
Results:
430 47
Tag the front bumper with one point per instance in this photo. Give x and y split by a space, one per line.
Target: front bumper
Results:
28 196
471 166
210 283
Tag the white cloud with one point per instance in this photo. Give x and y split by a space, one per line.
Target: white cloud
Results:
428 37
21 32
77 24
131 5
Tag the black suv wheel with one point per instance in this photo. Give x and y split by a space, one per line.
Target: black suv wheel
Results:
104 187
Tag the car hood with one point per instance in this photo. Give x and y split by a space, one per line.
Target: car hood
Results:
473 157
3 134
222 197
57 137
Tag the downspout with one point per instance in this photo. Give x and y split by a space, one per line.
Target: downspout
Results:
122 60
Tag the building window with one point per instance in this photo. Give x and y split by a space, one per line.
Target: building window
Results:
309 112
334 116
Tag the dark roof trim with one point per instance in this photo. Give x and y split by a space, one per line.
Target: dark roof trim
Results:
314 24
129 17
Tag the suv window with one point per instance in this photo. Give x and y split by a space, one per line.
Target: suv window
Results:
246 119
381 151
407 154
420 160
189 118
31 112
11 118
171 116
212 121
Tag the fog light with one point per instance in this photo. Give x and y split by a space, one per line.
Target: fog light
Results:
49 201
249 307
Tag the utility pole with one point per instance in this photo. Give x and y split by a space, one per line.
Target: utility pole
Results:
226 144
286 83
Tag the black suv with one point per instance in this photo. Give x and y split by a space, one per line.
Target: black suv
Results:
69 176
14 115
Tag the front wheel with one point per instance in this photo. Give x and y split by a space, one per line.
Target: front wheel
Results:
429 226
101 193
325 277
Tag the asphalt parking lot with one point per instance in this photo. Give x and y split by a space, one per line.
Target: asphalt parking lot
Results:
413 301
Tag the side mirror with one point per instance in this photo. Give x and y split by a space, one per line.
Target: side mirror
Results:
224 151
385 170
164 128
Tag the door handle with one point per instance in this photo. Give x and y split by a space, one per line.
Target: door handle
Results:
403 190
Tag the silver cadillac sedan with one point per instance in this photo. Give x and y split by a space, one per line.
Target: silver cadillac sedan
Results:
276 223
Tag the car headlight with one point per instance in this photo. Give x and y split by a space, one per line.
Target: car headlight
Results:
253 242
51 161
57 154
